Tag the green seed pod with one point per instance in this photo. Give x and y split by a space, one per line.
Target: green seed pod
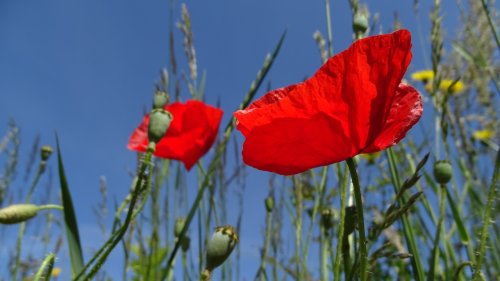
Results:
160 99
179 225
220 246
159 121
443 171
360 23
45 152
269 204
17 213
328 217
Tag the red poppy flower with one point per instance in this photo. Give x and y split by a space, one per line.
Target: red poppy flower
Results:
190 135
353 104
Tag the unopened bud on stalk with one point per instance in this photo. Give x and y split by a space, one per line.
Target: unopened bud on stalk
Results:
443 171
360 23
269 204
328 217
45 152
159 121
220 246
17 213
160 99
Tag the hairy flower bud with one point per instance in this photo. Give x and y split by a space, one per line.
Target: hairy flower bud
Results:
160 99
269 204
17 213
220 246
159 121
443 171
360 23
45 152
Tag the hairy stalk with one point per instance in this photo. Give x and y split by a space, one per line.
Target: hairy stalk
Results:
102 254
487 219
329 28
363 254
433 264
45 269
262 268
22 226
340 235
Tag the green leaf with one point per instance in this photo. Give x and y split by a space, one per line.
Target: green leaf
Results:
72 234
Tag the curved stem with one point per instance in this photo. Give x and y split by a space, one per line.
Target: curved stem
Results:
363 254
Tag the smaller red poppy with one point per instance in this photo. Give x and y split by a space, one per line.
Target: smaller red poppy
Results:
190 135
355 103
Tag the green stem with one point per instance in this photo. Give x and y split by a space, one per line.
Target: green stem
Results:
329 28
363 254
102 254
487 219
490 22
262 268
45 270
22 227
324 253
435 251
340 236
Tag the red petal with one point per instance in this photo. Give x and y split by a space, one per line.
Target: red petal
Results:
337 113
190 135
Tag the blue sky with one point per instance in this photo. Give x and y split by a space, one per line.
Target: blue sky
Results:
86 69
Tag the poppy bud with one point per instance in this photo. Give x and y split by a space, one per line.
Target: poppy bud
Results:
442 171
179 225
220 246
360 23
160 99
328 217
269 204
17 213
46 151
159 121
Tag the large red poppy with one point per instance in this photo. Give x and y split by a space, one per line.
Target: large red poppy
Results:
355 103
190 135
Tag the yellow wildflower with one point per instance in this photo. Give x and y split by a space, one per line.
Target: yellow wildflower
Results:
483 135
56 271
423 75
456 87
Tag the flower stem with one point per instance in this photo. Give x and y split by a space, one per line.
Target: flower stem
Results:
435 251
487 218
22 227
340 237
363 254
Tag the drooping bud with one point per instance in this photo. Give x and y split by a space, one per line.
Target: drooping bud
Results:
443 171
269 204
160 99
17 213
159 122
220 246
328 217
45 152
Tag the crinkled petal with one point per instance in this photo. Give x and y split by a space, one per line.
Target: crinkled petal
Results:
191 134
405 112
353 90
